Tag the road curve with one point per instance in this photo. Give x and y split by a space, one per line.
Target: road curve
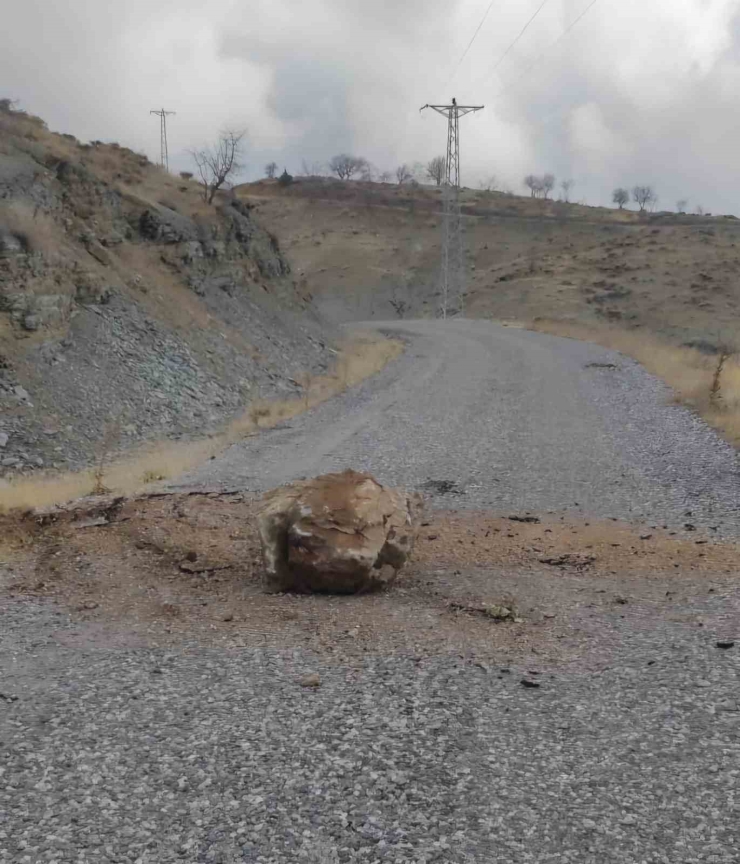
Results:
514 420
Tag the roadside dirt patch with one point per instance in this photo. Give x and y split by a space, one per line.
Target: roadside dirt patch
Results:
165 569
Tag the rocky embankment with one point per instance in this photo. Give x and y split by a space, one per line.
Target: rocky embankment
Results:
130 309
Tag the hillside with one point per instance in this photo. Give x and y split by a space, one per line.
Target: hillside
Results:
361 246
129 309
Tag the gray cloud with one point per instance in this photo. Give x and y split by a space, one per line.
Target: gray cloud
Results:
637 92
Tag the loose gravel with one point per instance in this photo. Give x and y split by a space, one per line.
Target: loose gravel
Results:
508 420
126 753
223 756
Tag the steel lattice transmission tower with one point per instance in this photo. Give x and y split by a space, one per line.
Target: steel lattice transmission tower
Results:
164 158
452 275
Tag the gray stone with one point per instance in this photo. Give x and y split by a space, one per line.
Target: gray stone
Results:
31 322
4 438
10 245
166 226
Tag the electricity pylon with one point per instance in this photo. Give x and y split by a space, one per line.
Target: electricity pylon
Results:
164 158
452 275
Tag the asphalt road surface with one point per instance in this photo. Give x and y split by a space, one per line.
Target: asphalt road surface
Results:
115 754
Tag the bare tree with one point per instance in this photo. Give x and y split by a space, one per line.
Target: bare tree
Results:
271 170
681 205
437 169
620 197
219 163
699 210
346 166
644 196
491 184
547 183
311 169
533 184
566 186
385 176
369 172
403 174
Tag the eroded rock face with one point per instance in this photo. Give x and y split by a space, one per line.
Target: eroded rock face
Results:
338 533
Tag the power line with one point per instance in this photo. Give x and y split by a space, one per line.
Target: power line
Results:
534 63
515 41
452 275
470 44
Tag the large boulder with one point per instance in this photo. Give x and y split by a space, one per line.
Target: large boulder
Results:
338 533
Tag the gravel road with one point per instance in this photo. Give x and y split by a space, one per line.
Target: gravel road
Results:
513 420
112 751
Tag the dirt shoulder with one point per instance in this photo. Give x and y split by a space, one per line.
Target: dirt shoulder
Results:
173 569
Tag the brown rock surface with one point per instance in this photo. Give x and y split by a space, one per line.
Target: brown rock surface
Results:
338 533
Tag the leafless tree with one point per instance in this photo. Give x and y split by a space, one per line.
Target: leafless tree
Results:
620 197
436 169
699 210
403 174
346 166
385 176
369 172
311 169
491 184
533 184
548 184
681 205
219 163
644 197
566 186
271 170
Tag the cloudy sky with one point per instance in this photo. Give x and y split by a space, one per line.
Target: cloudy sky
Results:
638 91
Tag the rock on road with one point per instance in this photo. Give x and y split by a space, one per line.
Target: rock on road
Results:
197 755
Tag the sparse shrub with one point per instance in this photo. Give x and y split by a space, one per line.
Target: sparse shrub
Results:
285 179
34 228
152 476
258 411
186 175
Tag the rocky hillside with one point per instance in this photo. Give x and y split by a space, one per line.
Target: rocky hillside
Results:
130 309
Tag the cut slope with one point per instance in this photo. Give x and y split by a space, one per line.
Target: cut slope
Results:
129 309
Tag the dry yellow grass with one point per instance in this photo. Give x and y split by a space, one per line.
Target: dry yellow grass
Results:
688 372
360 358
35 229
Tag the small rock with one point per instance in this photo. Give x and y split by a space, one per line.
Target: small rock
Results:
726 643
312 680
21 393
4 437
10 462
645 536
525 682
229 616
31 322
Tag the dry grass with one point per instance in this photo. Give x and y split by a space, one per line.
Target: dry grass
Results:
365 355
698 380
36 230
